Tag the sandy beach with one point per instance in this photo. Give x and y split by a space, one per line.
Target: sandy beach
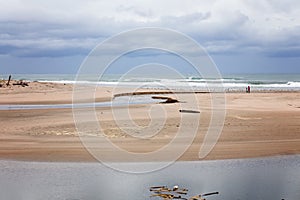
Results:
256 125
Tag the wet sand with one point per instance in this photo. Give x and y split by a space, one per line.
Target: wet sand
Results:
256 125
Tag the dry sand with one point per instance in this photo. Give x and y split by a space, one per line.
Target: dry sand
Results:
256 125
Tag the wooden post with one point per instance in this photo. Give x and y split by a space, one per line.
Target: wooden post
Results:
9 78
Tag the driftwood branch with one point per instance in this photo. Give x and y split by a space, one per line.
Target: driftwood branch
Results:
168 99
164 192
9 79
21 82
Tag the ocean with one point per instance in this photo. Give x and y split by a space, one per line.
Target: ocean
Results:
231 82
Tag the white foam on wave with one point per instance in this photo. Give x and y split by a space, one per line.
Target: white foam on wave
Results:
199 84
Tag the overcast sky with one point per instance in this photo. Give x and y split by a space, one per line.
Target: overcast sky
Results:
241 36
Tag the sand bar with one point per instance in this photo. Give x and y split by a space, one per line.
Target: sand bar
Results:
256 125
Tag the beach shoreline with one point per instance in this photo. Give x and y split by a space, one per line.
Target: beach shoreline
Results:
258 124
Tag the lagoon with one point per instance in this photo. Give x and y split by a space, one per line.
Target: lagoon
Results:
245 179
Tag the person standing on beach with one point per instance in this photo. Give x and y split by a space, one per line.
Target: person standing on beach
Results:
248 89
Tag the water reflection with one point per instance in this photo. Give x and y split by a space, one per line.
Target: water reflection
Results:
265 178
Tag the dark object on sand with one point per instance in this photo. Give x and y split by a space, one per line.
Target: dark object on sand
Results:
189 111
9 79
21 82
168 99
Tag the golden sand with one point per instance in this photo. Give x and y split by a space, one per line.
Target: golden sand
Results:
256 125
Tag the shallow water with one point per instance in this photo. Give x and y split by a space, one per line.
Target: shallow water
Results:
264 178
118 101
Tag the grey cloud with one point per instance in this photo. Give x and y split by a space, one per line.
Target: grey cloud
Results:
48 39
284 52
75 27
6 49
132 9
185 19
41 52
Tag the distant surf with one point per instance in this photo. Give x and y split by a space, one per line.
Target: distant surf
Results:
235 82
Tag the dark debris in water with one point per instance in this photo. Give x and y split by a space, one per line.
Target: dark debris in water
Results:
163 192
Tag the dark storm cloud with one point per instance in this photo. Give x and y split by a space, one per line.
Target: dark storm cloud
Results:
64 28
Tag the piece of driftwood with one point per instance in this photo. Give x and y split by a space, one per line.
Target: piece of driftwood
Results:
157 187
9 79
189 111
211 193
165 193
168 99
200 196
21 82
